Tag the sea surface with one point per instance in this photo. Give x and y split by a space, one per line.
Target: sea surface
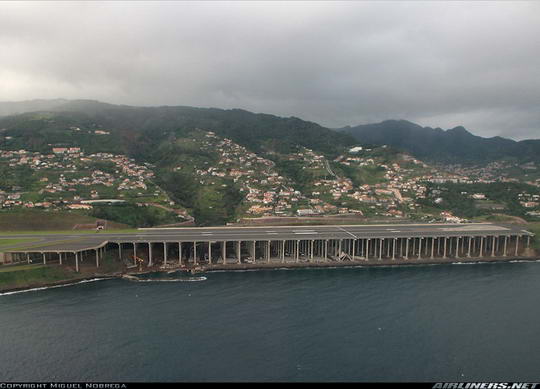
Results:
477 322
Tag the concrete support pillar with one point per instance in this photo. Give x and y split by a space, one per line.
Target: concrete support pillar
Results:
134 253
469 249
311 250
120 251
420 248
493 244
59 258
528 241
325 250
180 253
481 246
354 243
209 253
407 249
195 253
268 253
505 245
239 251
44 258
380 248
457 247
297 252
432 248
76 262
413 246
444 252
394 249
224 251
282 251
517 245
165 253
339 249
150 263
97 258
367 249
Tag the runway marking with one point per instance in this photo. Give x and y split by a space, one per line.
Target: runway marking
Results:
472 228
350 233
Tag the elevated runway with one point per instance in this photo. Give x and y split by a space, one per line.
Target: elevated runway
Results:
389 240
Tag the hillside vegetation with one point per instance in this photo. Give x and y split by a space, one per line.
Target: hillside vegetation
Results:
179 165
140 129
36 220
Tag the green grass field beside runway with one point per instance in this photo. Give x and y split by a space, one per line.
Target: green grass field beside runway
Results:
13 242
68 232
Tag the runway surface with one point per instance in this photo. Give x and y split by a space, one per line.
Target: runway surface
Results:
84 241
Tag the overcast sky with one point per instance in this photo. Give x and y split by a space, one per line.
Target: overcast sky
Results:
440 64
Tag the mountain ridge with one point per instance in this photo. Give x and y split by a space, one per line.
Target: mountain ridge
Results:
450 146
260 130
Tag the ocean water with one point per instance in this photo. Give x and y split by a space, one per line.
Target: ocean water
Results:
429 323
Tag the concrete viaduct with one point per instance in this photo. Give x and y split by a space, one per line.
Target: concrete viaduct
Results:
232 246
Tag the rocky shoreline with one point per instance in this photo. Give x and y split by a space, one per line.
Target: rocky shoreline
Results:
276 266
370 263
38 285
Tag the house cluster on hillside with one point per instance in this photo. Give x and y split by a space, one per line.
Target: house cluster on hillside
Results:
362 182
531 202
265 191
396 185
65 177
502 171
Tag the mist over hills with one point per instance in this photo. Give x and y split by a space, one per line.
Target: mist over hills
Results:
17 107
137 129
140 126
